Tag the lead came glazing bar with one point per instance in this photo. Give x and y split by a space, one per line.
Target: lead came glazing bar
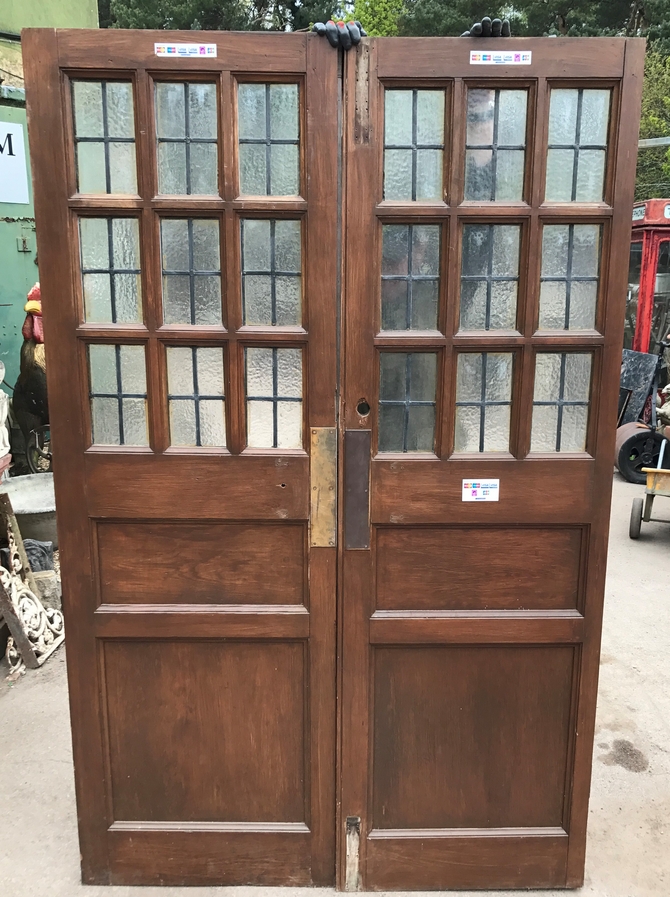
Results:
118 395
104 136
561 402
413 144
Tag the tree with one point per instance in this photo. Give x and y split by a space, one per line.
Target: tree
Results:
380 18
653 165
209 15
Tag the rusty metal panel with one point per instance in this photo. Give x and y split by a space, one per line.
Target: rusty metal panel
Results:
357 488
323 491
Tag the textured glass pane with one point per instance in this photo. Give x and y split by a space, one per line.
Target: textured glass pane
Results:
91 176
94 238
180 370
498 377
176 299
577 377
421 428
126 242
398 117
170 111
207 300
590 176
172 168
284 175
479 174
555 239
397 174
428 174
503 305
467 430
476 239
425 249
547 377
512 118
287 246
480 117
253 178
204 176
284 111
423 369
595 117
585 250
391 428
182 422
544 427
102 363
87 101
259 372
395 249
105 421
553 295
210 371
287 297
429 117
260 424
393 376
135 430
256 249
583 305
289 372
560 164
212 423
394 304
97 298
563 116
202 110
206 255
473 305
573 428
251 109
120 118
424 305
122 168
496 428
174 244
257 299
469 378
133 369
126 294
509 175
289 424
506 240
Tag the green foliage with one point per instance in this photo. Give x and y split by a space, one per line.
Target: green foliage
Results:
380 18
653 165
208 15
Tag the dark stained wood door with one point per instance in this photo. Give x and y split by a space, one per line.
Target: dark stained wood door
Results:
187 225
487 229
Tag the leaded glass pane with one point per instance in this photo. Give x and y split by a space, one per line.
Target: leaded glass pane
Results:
269 139
196 396
271 271
569 280
110 267
274 398
118 395
489 276
407 391
410 276
413 144
577 152
495 144
186 132
104 136
561 402
191 271
483 402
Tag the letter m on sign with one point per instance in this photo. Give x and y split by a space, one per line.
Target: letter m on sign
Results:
6 145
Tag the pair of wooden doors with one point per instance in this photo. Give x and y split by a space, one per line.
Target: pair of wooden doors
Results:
333 362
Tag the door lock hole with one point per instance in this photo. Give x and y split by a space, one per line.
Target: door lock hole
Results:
363 408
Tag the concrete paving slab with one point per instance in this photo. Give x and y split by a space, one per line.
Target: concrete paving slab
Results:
628 851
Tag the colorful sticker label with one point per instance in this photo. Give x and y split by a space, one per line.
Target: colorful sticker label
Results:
501 57
481 490
187 50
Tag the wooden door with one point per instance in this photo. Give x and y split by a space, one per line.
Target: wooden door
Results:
487 232
186 202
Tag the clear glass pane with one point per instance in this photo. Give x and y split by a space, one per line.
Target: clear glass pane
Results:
398 117
480 117
563 116
424 305
393 376
590 176
253 172
595 117
105 421
420 428
391 424
397 174
560 167
251 111
91 177
122 168
87 102
202 111
496 428
170 111
429 117
544 428
512 118
120 115
423 370
428 174
172 168
509 175
284 170
204 174
395 299
182 422
102 364
284 109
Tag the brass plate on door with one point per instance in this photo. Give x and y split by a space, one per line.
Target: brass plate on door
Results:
323 492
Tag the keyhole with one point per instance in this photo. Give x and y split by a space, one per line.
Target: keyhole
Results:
363 408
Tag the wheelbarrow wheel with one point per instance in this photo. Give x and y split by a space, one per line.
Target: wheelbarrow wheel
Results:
636 518
636 447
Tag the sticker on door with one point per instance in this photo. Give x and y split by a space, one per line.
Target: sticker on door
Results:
481 490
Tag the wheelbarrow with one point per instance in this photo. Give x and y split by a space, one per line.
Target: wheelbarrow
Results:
658 483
